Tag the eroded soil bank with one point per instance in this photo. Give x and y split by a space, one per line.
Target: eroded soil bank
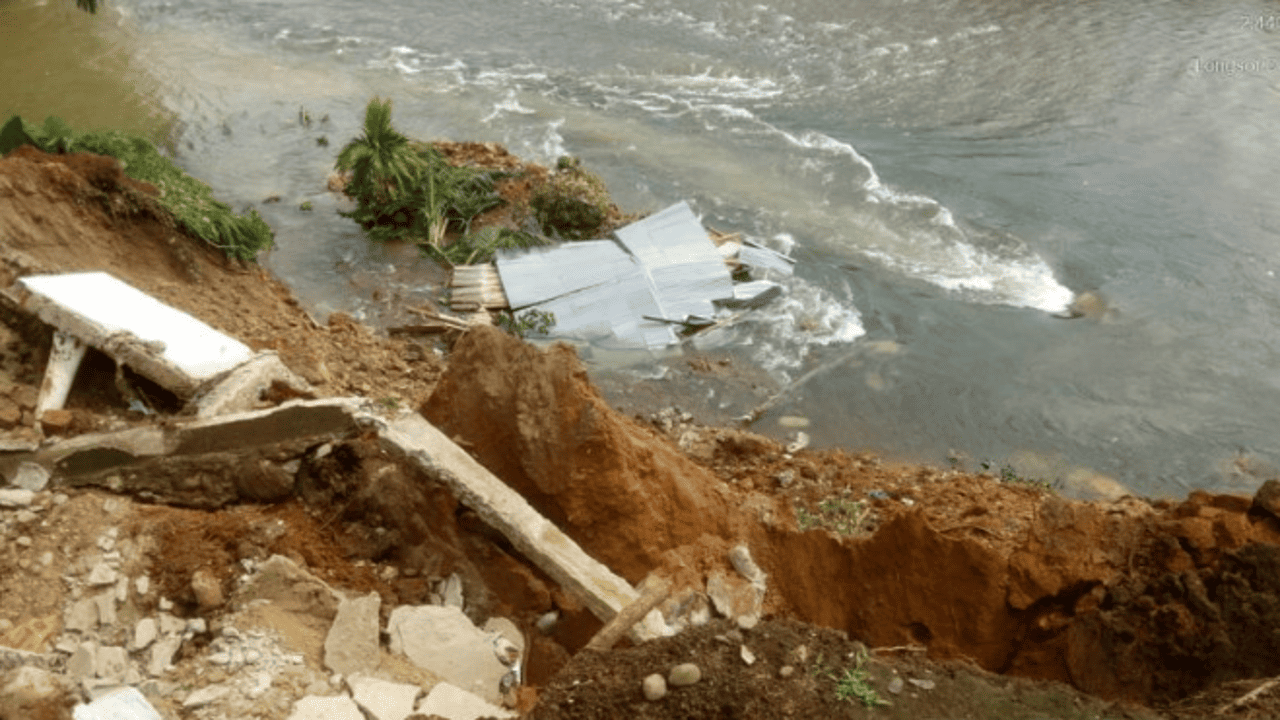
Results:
982 599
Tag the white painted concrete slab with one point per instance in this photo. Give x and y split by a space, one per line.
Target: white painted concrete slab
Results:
112 315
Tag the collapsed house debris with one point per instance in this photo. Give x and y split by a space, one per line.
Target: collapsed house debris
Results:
663 272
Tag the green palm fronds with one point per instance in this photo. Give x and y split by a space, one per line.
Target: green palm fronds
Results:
406 189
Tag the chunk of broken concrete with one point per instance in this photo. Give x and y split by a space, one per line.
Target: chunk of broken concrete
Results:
352 643
30 476
81 615
242 388
382 700
333 707
144 633
443 640
83 663
162 653
735 597
454 703
112 663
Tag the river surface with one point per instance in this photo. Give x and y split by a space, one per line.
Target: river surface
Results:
948 175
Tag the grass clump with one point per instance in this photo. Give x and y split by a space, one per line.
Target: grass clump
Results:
1009 476
853 683
573 203
838 513
406 190
190 201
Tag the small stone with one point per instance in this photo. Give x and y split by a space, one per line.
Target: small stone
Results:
207 589
16 497
46 558
122 589
748 657
547 622
30 476
197 626
895 685
336 707
142 585
785 478
60 498
23 541
54 422
922 684
144 633
102 574
655 688
25 517
684 674
111 506
453 592
165 604
352 643
786 671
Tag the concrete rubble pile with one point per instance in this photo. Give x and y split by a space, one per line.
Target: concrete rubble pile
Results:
116 649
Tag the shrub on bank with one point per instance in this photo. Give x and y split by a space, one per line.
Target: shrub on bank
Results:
406 190
190 201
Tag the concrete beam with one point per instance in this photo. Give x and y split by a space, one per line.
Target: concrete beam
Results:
603 592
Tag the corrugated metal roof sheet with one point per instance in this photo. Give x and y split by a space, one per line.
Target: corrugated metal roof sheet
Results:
666 267
685 268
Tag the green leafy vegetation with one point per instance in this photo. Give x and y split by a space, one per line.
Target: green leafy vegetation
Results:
529 321
853 683
839 513
1009 476
480 247
406 190
190 201
573 203
306 206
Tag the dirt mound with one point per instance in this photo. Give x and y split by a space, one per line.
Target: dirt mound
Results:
534 419
794 670
77 212
1125 600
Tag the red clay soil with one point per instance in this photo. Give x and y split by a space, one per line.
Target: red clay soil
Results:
1126 600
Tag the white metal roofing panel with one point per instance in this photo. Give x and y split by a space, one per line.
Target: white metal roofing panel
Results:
540 274
684 266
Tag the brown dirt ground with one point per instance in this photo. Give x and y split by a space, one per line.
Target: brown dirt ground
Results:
1003 596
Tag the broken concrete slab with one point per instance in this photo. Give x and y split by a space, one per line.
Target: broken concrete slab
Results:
454 703
352 643
383 700
242 388
162 343
443 640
